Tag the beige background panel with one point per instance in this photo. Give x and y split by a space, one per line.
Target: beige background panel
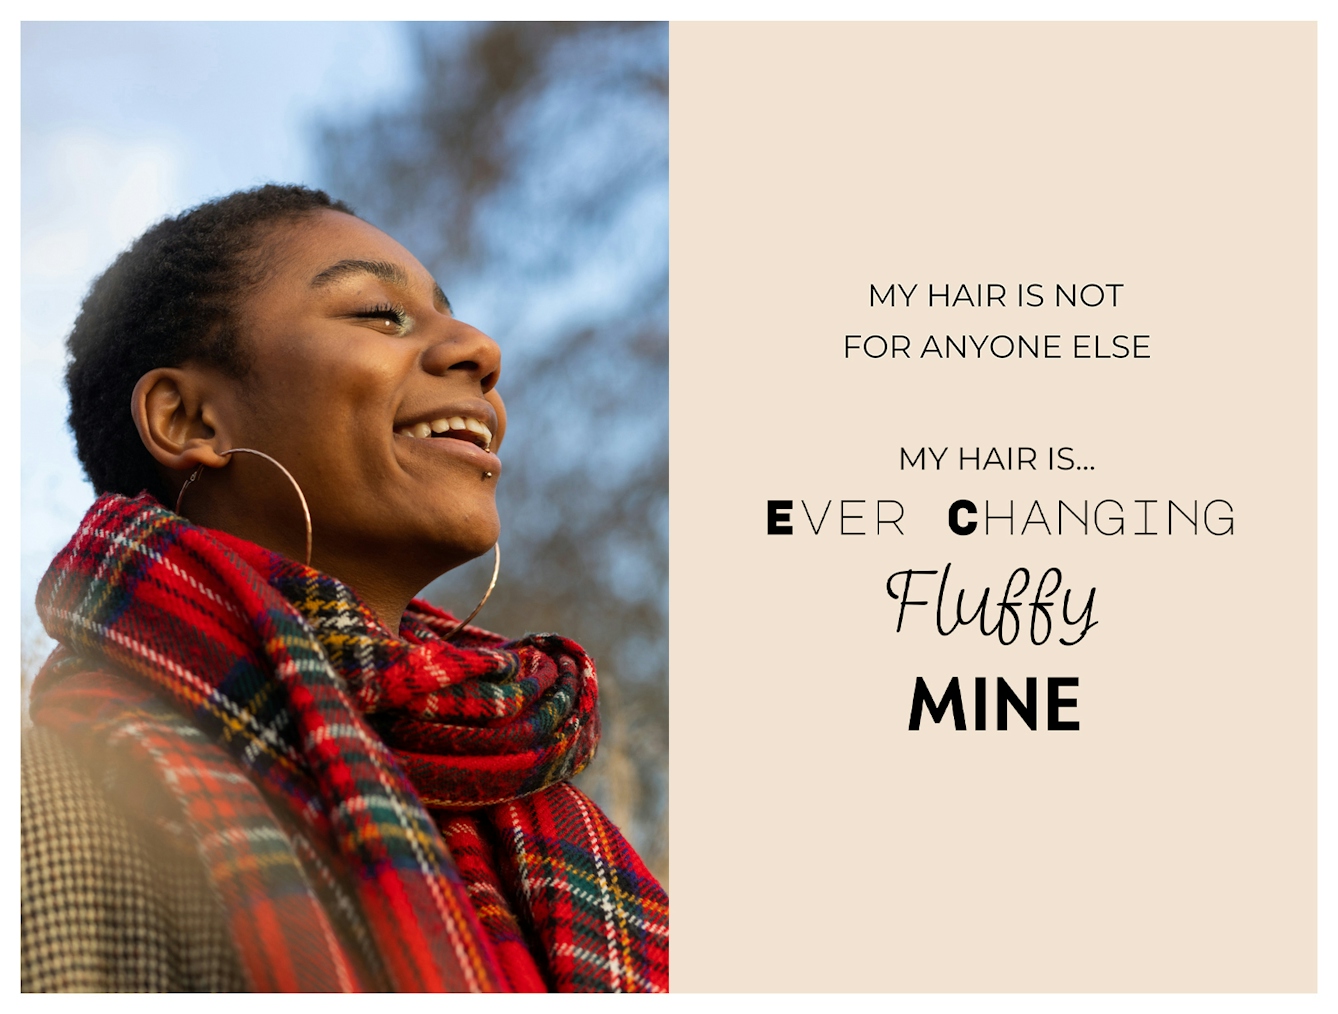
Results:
1169 844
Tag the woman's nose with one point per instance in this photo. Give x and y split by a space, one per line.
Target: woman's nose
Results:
464 348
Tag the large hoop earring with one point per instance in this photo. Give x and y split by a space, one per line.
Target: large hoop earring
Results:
496 566
306 513
306 517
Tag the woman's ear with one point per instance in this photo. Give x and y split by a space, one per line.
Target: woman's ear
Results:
177 420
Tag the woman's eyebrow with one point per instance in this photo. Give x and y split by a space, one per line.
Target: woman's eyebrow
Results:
440 297
390 273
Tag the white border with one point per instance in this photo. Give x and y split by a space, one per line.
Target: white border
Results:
947 10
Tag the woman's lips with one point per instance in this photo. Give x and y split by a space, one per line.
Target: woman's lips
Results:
456 427
463 443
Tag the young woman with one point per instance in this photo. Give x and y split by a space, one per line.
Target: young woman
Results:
258 762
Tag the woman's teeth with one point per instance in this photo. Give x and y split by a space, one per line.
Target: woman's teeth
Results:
455 422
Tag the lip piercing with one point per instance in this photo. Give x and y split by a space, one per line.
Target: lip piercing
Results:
487 475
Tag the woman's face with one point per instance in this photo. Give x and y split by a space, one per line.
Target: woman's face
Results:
356 363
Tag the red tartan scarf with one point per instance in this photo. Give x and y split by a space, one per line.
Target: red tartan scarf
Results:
375 812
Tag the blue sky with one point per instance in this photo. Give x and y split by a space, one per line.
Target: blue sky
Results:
123 123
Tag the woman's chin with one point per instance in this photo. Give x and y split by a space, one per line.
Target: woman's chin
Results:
483 543
465 542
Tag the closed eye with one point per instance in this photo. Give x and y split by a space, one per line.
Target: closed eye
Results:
394 318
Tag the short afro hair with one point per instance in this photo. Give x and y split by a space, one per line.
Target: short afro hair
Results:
172 297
